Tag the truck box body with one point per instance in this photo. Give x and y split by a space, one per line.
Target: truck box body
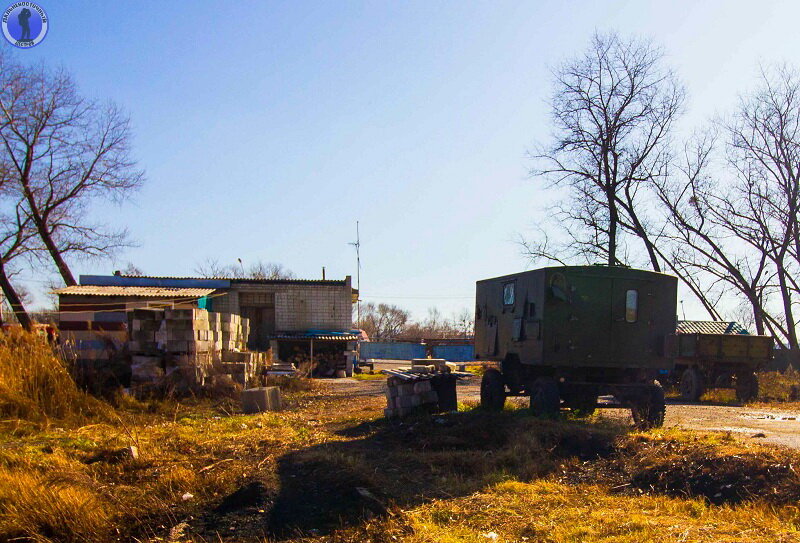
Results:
749 351
577 316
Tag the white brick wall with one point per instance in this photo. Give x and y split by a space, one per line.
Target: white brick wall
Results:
299 307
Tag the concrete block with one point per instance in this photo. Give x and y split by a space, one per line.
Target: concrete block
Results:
180 335
408 401
405 389
257 400
176 346
142 346
142 335
147 314
186 314
421 387
143 360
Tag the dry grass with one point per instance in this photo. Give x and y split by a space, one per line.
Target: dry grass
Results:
467 476
35 384
551 512
369 376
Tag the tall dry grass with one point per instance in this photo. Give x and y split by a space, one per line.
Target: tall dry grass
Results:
35 383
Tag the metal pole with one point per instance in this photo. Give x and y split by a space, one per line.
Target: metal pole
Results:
358 273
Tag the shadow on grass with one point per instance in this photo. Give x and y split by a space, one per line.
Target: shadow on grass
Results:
383 464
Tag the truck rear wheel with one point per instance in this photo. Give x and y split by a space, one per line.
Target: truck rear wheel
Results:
691 386
545 398
493 391
648 408
746 386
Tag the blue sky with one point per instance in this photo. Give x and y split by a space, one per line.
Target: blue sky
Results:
267 129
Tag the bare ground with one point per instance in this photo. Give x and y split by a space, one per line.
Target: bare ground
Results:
776 425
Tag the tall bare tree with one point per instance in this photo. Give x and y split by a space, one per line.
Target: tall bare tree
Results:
613 109
63 152
763 149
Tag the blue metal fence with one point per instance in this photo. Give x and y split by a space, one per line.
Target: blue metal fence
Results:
454 353
391 350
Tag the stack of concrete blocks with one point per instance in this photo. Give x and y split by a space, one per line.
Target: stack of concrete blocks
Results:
187 341
147 361
403 397
242 367
234 331
188 345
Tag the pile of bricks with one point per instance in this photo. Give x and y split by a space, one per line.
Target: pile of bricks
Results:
403 397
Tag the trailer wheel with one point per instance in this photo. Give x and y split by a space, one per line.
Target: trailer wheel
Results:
746 386
545 398
691 386
493 391
648 408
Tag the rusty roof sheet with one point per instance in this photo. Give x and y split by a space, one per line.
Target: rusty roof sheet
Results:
148 292
710 327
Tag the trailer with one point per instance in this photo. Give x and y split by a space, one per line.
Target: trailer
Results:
566 335
712 354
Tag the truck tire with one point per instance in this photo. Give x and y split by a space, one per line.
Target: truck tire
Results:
545 398
493 391
648 408
581 402
691 386
746 386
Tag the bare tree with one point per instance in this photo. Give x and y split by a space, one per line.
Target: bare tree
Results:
763 149
16 236
383 321
613 109
695 241
62 152
258 270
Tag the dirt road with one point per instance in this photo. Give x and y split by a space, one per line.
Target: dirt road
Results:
766 425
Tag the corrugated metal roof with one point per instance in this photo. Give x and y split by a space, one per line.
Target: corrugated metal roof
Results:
711 327
322 336
150 292
217 282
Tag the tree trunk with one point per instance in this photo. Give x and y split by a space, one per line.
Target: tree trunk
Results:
47 238
791 332
613 219
14 300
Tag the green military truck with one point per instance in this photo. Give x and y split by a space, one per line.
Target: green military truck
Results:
714 354
566 335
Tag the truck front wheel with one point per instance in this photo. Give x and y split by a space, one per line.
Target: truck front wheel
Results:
691 385
746 386
493 391
648 408
545 397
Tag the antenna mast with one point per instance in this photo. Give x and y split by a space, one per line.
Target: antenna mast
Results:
357 245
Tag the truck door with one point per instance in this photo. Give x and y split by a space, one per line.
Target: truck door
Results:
630 321
585 309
